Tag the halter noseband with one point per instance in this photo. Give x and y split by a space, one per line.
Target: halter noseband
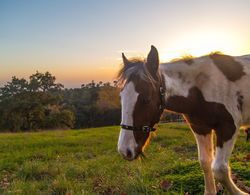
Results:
146 128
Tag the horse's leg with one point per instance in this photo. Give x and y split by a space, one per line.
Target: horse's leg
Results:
205 151
220 165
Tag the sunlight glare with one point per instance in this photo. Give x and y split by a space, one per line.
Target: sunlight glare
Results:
202 43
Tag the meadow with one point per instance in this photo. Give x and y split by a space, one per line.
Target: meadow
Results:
87 162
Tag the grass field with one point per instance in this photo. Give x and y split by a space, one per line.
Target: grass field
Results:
87 162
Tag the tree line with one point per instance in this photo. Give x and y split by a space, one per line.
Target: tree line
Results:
41 103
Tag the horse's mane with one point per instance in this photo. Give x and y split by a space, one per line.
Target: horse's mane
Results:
186 58
134 70
137 69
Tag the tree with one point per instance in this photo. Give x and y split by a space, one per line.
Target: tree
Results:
16 86
41 103
108 106
26 105
43 82
108 98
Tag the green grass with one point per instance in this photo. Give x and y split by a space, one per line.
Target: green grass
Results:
87 162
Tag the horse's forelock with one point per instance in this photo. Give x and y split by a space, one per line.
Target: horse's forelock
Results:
134 70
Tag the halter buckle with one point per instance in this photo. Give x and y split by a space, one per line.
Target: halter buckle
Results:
146 129
162 91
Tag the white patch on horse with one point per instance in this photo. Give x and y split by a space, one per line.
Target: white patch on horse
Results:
126 138
175 85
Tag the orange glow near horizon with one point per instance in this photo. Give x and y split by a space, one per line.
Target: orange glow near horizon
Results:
73 76
83 76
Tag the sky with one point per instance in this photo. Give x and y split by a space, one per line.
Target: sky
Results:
82 40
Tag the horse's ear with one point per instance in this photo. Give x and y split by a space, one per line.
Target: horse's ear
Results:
125 60
153 61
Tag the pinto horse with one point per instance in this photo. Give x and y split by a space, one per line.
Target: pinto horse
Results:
212 92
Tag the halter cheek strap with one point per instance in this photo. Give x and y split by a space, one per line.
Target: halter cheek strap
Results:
162 96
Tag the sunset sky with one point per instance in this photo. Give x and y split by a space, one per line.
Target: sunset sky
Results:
82 40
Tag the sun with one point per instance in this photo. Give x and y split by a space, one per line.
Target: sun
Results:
202 43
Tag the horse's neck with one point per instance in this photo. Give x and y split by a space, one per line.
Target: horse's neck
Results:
177 74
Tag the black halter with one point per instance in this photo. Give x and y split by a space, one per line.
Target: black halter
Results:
146 128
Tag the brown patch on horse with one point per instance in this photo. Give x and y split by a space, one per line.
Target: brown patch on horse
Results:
146 111
240 98
203 116
232 69
180 75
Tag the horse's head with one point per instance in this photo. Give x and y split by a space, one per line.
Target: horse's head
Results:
141 103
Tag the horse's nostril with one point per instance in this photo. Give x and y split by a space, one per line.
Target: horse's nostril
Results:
129 153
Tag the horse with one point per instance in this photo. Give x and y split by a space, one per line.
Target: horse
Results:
211 92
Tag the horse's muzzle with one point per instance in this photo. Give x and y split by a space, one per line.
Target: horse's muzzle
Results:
129 155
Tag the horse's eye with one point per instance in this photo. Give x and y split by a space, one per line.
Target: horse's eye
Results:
146 100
